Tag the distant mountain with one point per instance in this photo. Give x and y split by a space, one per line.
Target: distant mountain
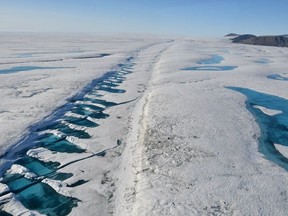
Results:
274 40
243 38
232 35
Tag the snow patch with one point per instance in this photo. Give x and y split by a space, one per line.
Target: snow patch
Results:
18 169
267 111
282 149
3 188
40 153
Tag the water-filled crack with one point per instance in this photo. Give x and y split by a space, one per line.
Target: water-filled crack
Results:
71 120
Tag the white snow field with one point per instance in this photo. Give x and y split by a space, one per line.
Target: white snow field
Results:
142 125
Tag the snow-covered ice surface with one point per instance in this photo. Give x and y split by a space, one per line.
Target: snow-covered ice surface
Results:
140 125
195 147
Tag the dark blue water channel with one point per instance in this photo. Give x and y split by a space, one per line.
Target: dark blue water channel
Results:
274 128
27 68
214 59
80 113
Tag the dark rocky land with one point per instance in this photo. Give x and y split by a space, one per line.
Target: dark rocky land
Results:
271 40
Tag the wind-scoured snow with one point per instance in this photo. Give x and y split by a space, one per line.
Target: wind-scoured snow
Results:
195 146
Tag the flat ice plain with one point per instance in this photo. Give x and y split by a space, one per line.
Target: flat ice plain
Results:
142 125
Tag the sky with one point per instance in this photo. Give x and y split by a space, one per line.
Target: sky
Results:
170 17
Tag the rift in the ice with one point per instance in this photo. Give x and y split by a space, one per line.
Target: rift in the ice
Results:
92 56
33 193
58 144
215 59
79 182
263 61
41 168
211 68
72 120
282 77
27 68
274 126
